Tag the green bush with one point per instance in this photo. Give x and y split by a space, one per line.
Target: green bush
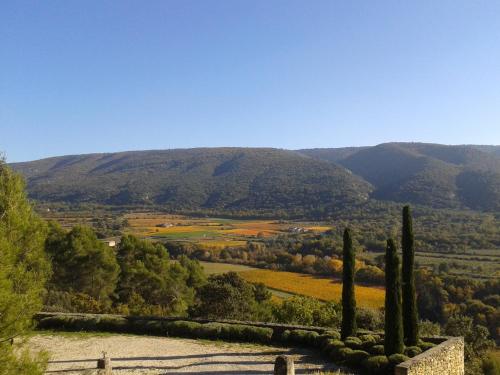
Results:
182 328
256 334
353 342
322 339
112 324
367 341
377 350
376 364
426 345
355 358
147 327
342 354
70 323
333 334
303 338
285 336
209 331
395 359
332 346
412 351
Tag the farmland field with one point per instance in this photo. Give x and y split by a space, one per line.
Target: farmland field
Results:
322 288
286 284
211 233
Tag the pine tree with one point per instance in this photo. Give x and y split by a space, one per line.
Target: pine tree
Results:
393 342
348 297
23 271
410 313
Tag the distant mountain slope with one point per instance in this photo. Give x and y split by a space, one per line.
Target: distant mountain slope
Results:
429 174
237 178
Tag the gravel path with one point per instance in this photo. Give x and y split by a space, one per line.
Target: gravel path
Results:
75 354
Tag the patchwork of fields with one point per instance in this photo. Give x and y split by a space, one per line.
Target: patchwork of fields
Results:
211 233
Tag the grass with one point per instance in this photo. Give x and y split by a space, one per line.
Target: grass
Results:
217 268
317 287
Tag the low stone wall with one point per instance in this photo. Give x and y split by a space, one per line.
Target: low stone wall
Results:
445 358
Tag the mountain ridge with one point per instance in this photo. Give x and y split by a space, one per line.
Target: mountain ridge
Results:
440 176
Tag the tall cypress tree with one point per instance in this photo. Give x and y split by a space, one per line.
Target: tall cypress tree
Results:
348 298
393 342
410 313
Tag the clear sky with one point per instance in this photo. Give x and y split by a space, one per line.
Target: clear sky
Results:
101 76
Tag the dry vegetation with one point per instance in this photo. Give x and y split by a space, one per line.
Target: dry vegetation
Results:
318 287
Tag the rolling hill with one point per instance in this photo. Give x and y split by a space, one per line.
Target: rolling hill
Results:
429 174
432 175
221 178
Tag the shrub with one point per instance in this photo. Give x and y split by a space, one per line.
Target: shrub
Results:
426 345
396 359
370 319
353 342
376 364
209 331
285 336
150 327
412 351
342 353
303 338
334 334
355 358
256 334
367 341
112 324
182 328
332 346
377 349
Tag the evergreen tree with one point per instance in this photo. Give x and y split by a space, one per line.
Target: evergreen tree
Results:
393 342
81 263
348 297
410 312
23 271
149 282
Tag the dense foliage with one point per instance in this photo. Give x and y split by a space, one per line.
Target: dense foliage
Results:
23 271
269 179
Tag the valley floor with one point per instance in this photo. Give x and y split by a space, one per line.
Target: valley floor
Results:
78 354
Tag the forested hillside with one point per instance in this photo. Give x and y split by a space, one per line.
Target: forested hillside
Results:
222 178
431 175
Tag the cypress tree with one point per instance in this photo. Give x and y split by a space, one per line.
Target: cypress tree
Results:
393 342
348 298
410 313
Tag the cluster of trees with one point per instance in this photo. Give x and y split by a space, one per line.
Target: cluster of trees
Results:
23 272
402 304
137 277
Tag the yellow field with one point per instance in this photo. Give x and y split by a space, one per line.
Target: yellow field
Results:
317 287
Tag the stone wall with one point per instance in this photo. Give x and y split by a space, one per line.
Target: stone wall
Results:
445 358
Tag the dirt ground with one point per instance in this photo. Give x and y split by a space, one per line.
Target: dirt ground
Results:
78 354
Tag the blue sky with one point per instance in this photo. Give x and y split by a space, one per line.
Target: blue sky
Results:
103 76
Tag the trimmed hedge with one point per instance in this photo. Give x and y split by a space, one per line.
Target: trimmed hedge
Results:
412 351
376 365
365 353
181 328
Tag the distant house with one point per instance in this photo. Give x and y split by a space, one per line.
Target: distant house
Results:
164 225
298 230
110 243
